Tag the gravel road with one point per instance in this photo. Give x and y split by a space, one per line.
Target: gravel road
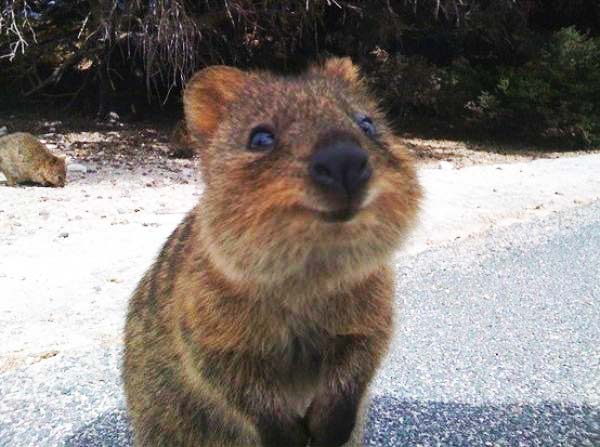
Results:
497 344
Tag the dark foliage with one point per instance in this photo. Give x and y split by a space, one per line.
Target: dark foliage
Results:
482 64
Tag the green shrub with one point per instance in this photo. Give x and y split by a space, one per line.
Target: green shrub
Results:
408 85
555 94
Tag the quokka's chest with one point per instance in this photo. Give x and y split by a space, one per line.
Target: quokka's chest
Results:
301 365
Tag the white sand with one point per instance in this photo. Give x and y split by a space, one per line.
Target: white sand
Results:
463 202
70 258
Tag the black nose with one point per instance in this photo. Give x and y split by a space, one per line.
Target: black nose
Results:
342 167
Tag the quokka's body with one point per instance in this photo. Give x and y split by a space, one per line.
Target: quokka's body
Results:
269 308
23 159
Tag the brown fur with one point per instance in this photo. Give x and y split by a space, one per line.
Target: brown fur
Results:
261 324
24 159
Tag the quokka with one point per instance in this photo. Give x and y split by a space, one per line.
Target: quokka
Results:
269 308
23 159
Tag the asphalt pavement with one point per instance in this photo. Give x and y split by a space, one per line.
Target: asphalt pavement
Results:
497 344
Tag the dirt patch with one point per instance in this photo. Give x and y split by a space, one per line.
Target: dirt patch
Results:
12 362
108 148
459 154
128 146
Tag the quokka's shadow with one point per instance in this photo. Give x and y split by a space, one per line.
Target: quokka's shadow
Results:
395 422
111 429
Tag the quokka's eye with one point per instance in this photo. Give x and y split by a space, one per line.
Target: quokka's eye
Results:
366 124
261 139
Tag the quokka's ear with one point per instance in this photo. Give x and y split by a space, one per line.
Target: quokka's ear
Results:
207 95
338 67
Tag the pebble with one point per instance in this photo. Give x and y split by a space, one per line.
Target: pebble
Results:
77 167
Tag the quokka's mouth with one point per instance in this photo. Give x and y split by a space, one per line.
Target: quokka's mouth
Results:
338 216
335 210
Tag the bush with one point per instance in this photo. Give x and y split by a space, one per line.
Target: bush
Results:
408 85
556 94
502 65
105 47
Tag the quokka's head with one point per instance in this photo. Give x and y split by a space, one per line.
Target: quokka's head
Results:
303 174
55 171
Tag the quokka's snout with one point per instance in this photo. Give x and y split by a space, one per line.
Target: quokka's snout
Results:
340 168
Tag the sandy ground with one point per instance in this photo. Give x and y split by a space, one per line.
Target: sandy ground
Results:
463 202
70 258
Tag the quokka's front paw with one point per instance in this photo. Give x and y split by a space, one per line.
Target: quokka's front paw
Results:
332 425
293 434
